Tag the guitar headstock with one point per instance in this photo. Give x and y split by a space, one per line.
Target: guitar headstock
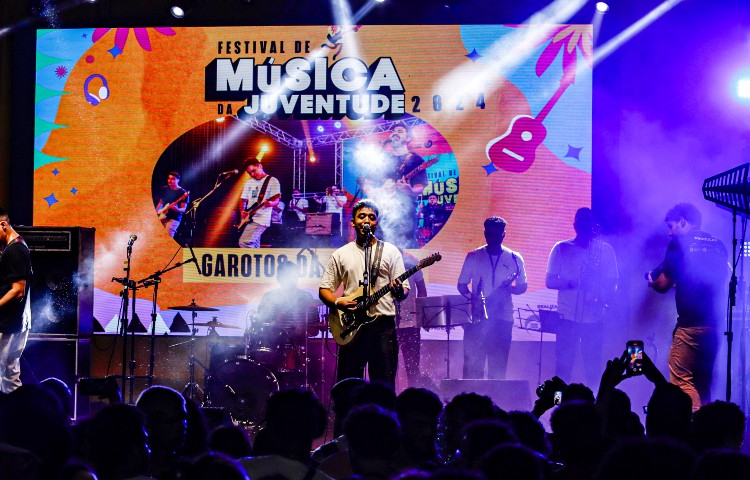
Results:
427 261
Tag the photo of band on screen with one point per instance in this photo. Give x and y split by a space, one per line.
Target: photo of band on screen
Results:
288 183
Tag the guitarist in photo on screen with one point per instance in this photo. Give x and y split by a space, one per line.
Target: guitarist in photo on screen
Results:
398 188
369 337
260 194
172 202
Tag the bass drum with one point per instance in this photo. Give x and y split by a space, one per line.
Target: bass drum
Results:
242 388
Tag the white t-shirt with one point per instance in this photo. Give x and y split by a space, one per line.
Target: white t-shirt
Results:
347 265
494 270
589 268
300 203
250 195
332 203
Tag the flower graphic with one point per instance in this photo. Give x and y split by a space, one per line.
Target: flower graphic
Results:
121 36
572 38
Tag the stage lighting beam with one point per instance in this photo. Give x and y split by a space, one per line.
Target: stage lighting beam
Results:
602 7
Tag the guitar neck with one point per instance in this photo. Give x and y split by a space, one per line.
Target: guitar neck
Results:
372 299
552 101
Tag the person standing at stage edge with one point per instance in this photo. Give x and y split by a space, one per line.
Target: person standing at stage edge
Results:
375 344
696 264
258 191
583 270
15 306
497 272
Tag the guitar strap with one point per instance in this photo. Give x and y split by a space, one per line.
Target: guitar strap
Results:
375 271
262 193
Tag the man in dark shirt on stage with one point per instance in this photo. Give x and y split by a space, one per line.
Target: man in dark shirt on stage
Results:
15 308
172 203
696 264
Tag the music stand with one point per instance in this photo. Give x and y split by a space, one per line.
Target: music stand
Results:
547 320
731 190
446 311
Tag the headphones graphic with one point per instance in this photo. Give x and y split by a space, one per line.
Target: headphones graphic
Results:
103 90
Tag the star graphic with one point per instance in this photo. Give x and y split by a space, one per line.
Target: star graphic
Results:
74 190
473 56
574 152
489 168
115 51
51 200
55 172
84 35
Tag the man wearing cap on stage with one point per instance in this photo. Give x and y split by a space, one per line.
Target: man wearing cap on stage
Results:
495 273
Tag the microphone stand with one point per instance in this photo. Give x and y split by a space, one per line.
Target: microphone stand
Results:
192 210
368 259
155 279
127 284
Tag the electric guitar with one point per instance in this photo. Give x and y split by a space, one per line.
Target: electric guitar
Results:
514 151
345 324
247 214
390 184
162 212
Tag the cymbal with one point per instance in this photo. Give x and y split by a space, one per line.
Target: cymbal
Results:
215 324
193 308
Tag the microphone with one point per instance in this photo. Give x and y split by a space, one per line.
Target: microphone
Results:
133 238
366 228
230 172
194 260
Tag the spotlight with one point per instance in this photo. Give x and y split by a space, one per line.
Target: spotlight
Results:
264 148
177 11
221 119
743 89
337 124
321 129
180 8
602 7
379 1
312 158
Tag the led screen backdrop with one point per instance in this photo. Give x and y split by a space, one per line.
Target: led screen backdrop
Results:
500 114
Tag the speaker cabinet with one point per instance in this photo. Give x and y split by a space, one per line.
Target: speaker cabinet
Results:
66 359
507 394
62 290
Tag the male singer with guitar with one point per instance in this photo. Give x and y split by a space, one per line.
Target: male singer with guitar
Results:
260 190
397 196
375 344
583 270
173 200
495 273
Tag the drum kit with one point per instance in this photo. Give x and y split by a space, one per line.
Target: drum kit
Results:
272 356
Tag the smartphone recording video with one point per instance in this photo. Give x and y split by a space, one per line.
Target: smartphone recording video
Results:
635 354
558 397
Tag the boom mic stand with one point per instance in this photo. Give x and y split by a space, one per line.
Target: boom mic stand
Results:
155 279
192 210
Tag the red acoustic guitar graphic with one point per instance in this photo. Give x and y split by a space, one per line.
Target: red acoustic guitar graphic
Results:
514 151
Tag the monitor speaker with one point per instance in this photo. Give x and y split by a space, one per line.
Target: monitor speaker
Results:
62 290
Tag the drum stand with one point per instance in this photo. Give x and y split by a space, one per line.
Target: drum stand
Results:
192 390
